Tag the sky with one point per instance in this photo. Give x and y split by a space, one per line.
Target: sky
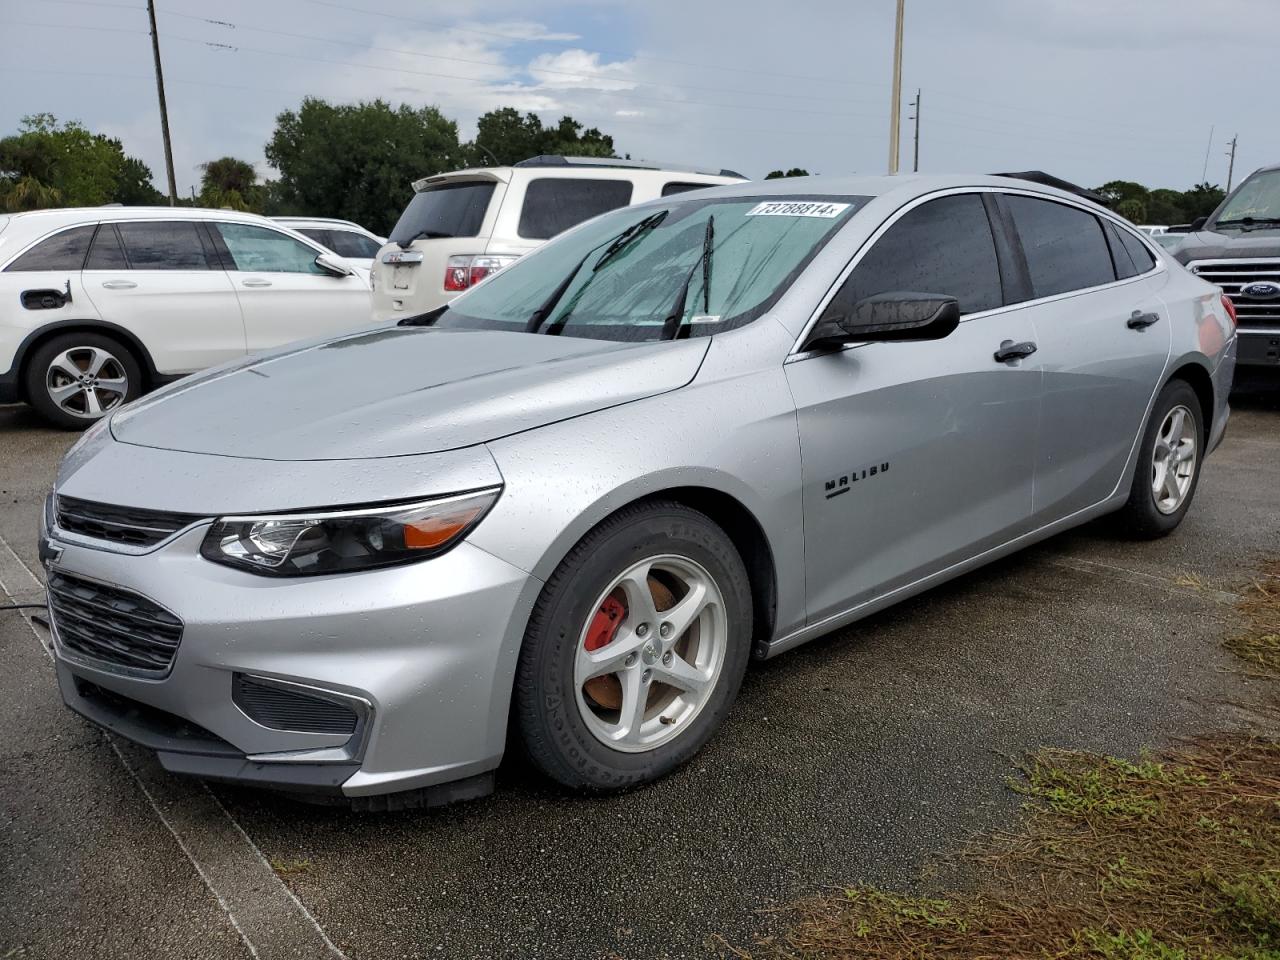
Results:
1089 90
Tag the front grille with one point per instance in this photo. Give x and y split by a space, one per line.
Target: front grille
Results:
1232 276
283 709
129 525
113 626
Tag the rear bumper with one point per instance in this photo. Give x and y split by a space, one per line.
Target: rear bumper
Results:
1258 348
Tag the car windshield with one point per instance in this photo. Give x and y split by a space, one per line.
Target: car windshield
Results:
1257 201
681 268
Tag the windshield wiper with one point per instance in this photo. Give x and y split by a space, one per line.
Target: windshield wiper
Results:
540 316
672 325
426 235
1247 222
625 238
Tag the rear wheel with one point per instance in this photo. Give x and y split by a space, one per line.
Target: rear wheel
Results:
1168 469
635 650
75 379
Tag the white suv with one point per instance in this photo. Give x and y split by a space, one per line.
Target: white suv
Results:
460 227
98 305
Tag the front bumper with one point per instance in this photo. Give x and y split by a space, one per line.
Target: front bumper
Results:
425 651
1258 348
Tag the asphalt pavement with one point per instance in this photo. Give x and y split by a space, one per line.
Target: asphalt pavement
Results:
859 758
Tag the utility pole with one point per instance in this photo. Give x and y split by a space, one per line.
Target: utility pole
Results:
1204 174
915 160
895 105
164 110
1231 164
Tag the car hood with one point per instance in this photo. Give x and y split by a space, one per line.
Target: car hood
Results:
1228 245
401 391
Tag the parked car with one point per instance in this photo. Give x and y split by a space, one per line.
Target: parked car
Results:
1237 247
461 227
348 240
572 505
99 305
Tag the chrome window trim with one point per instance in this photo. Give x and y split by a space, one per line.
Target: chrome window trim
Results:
796 353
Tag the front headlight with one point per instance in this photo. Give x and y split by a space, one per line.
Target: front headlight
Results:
340 541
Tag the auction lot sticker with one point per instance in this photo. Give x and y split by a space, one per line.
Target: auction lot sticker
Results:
798 208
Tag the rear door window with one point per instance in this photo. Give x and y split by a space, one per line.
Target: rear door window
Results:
447 210
1064 246
554 204
106 252
62 251
164 245
257 249
943 247
345 243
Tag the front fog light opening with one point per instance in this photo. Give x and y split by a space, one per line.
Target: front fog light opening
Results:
340 541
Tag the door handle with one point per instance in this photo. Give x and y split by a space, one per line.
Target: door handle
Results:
255 283
1010 351
119 284
1140 320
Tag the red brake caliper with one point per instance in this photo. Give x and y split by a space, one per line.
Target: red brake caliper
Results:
606 690
604 625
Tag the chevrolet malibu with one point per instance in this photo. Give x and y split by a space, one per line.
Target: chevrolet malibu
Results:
566 510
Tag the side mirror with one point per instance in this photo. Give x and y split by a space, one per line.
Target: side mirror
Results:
1198 224
888 317
333 266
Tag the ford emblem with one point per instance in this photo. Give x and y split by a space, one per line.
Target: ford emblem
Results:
1262 290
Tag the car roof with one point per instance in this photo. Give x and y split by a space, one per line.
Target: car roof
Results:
325 221
59 215
904 185
583 171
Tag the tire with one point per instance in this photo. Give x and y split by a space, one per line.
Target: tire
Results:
577 733
70 358
1148 515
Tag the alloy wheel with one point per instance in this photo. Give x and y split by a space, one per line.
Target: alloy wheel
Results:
1174 459
86 382
650 655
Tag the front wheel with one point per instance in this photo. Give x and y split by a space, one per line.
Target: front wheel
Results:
635 650
1168 469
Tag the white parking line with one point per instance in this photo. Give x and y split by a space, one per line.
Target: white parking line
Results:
270 920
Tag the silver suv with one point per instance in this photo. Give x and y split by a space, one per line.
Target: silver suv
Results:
576 502
461 227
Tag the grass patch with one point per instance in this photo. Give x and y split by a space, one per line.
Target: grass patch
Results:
1259 643
1173 857
285 867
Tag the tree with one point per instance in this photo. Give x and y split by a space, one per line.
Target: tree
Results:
357 161
1201 200
504 137
46 163
793 172
231 183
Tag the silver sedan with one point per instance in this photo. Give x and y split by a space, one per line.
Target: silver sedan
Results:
568 509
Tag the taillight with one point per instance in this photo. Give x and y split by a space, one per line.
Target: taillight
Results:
464 272
1230 307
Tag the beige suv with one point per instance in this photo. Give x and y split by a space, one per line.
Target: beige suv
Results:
460 227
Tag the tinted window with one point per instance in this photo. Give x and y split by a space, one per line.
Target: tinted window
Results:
1142 258
1065 246
449 210
62 251
553 205
262 250
163 245
943 246
675 187
106 252
345 243
1125 267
